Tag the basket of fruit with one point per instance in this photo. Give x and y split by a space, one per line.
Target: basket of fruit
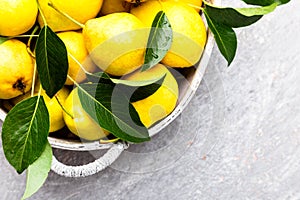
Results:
91 75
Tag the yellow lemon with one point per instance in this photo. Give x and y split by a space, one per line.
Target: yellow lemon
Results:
16 69
54 108
162 102
77 54
113 6
189 31
79 10
78 121
116 42
17 16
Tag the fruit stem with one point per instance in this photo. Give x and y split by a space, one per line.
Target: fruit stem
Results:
65 14
40 91
30 52
193 6
33 80
109 141
80 65
29 41
75 83
41 12
21 36
206 2
63 107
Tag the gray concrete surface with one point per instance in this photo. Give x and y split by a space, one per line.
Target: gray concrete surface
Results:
238 138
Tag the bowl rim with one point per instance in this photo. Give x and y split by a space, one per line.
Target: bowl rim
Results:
189 93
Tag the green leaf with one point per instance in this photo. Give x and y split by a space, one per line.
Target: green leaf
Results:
138 90
225 38
135 90
3 39
25 131
108 106
51 60
37 173
265 2
131 83
222 20
230 17
257 10
159 41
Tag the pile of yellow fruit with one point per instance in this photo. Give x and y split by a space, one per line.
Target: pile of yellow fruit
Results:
100 35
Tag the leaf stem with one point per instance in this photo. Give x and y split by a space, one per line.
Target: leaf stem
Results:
62 107
65 14
80 65
32 35
206 2
109 141
30 52
21 36
41 12
33 80
40 91
75 83
29 41
193 6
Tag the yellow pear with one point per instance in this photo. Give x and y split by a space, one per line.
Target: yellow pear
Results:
189 31
16 69
80 10
17 16
77 54
78 121
116 42
162 102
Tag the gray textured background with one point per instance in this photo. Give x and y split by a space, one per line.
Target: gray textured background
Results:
238 138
